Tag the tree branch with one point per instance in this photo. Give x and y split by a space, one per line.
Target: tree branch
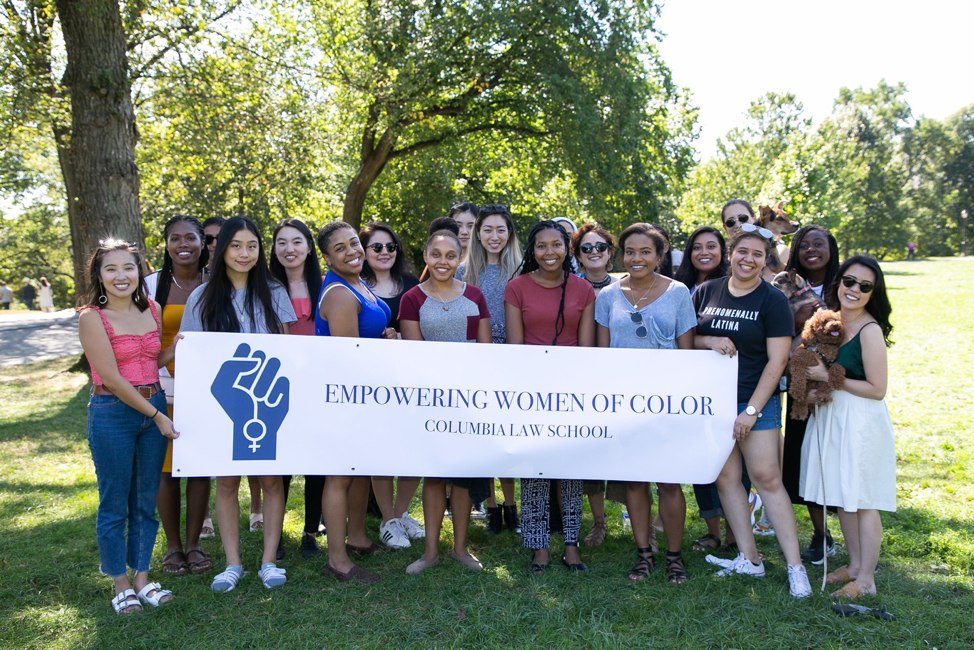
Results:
432 142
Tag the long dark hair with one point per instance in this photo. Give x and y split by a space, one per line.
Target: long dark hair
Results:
687 273
878 306
165 274
312 267
216 304
398 270
529 263
460 208
96 290
794 264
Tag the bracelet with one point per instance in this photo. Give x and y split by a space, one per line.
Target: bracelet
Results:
153 416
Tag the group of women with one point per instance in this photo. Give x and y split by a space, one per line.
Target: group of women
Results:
478 288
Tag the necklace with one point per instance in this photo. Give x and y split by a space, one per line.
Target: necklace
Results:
446 307
367 293
600 284
635 305
180 287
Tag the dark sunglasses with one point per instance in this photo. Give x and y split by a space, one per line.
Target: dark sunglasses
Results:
598 247
730 223
764 232
641 331
494 208
850 281
390 247
209 239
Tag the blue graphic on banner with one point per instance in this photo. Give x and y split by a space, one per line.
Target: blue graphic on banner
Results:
255 396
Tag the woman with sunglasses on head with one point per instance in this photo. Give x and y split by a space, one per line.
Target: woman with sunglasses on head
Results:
443 308
295 265
744 316
465 214
347 307
384 272
546 304
593 247
242 296
815 258
183 270
491 259
648 310
119 328
849 455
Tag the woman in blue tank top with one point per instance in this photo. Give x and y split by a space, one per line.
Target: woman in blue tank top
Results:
347 307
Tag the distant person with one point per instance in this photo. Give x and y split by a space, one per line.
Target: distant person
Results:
211 228
28 293
911 252
465 214
6 295
47 296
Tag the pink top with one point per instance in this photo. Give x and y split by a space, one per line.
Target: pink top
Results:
136 355
302 309
539 308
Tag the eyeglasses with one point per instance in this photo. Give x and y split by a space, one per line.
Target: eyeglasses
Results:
764 232
850 281
730 223
641 331
598 247
389 246
209 239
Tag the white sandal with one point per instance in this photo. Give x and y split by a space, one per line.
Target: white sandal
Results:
156 599
121 601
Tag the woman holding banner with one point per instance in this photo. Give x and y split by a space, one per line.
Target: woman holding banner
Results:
295 265
491 258
445 309
648 310
547 304
743 316
347 307
241 296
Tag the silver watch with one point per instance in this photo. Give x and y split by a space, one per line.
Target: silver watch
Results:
750 410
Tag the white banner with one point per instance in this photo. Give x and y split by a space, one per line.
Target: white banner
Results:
258 404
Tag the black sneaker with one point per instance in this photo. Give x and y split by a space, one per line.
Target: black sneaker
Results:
815 553
309 547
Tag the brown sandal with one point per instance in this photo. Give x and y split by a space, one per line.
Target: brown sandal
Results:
850 591
838 576
202 564
174 563
598 533
355 573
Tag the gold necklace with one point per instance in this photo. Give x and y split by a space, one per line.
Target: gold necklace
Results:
446 307
635 305
172 275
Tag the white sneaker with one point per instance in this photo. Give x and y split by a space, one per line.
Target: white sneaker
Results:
392 534
798 581
743 566
411 527
719 561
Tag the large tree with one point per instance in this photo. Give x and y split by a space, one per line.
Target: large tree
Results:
412 76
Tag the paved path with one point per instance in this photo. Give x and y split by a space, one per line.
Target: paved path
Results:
36 336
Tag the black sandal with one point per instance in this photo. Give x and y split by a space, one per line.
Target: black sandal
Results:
676 571
702 544
644 566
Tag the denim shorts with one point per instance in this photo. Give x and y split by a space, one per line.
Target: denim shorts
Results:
769 417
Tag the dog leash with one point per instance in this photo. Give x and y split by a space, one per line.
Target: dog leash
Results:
828 364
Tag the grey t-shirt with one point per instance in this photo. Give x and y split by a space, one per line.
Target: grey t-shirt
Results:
282 307
665 319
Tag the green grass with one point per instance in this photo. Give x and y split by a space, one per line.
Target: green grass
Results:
51 595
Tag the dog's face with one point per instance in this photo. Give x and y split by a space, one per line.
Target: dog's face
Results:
825 326
789 283
777 220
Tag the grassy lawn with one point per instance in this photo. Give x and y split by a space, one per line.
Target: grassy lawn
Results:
52 596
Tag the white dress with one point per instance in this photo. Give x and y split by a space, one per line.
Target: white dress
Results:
849 454
47 298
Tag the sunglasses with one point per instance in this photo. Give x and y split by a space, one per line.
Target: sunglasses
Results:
209 239
598 247
494 208
641 331
730 223
764 232
390 247
850 281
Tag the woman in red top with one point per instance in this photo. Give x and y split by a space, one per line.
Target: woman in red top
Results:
128 423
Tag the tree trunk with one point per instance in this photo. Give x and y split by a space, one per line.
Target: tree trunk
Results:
373 161
99 171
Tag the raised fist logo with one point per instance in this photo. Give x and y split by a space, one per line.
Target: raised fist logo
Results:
252 393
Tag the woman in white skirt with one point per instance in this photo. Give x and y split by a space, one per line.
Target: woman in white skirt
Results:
848 455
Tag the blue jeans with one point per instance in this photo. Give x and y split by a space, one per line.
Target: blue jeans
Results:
128 451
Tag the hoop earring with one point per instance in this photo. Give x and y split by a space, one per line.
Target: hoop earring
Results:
102 299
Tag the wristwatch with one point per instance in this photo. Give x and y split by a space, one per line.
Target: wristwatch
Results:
750 410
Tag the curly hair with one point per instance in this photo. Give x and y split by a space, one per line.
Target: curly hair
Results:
598 230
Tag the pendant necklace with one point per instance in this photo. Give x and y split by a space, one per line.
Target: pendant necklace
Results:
446 307
635 305
171 275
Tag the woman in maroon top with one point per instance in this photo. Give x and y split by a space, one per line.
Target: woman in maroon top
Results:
547 304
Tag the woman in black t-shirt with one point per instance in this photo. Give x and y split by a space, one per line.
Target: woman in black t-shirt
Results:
745 316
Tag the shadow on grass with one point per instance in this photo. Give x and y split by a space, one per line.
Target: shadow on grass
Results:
55 430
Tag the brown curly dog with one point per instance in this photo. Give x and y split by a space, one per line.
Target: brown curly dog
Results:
821 339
